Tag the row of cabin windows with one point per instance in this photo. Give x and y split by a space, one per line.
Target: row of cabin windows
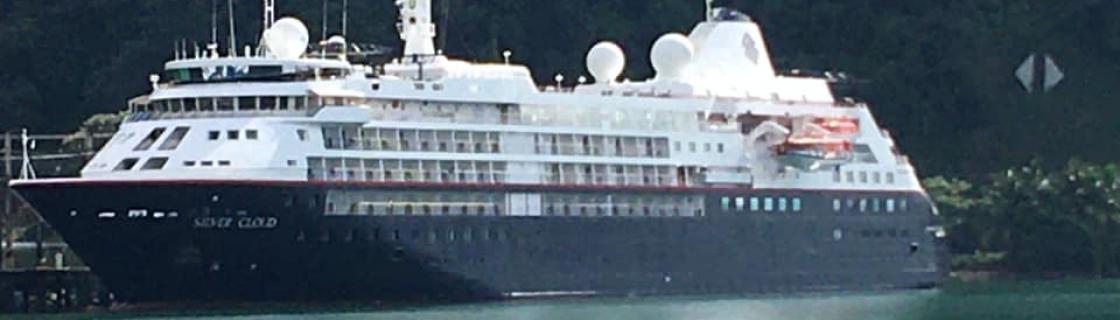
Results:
864 177
357 169
158 163
205 104
392 139
250 134
766 204
888 205
693 147
431 236
599 145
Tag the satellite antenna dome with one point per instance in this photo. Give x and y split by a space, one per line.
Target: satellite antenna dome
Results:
605 61
671 54
286 39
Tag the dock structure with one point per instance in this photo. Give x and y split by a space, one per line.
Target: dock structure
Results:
38 271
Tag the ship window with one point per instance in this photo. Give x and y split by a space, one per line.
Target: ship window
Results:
232 134
301 134
247 103
677 146
903 205
268 103
188 163
154 164
890 205
691 147
851 176
206 104
875 205
719 148
225 104
862 205
214 135
890 177
836 205
725 203
782 204
796 204
207 163
754 204
836 175
150 139
876 177
251 134
707 147
126 164
863 177
223 163
768 204
190 105
739 203
174 139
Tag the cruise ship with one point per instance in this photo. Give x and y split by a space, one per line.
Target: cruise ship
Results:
286 173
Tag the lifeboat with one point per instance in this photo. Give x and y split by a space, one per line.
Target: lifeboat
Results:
841 125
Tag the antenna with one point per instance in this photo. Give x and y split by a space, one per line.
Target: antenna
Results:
269 14
324 36
213 21
345 8
232 34
707 10
416 27
446 12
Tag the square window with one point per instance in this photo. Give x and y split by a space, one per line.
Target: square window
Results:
214 135
707 147
691 147
251 134
232 134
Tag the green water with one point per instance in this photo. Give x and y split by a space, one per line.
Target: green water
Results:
1065 299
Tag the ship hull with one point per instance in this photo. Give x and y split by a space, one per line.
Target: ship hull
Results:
276 241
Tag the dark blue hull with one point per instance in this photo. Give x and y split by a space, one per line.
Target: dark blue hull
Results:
255 241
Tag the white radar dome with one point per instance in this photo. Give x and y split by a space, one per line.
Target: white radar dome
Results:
286 39
605 61
671 54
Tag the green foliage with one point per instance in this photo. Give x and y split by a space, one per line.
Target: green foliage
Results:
1062 220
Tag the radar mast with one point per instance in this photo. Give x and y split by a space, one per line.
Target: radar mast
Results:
416 27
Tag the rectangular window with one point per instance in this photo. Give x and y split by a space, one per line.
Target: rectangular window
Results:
719 148
739 203
691 147
283 103
796 204
190 105
707 147
903 205
876 177
725 203
754 204
149 140
782 204
677 146
768 204
174 139
188 163
247 103
875 205
225 104
223 163
126 164
205 104
214 135
851 176
232 134
863 177
862 205
890 177
207 163
890 205
836 175
268 103
251 134
154 163
836 205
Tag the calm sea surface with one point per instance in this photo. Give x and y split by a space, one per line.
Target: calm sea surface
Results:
1065 299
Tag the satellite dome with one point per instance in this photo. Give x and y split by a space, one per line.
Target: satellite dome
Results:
286 39
671 54
605 61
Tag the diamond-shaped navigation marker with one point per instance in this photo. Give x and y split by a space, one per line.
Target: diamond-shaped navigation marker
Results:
1025 73
1051 75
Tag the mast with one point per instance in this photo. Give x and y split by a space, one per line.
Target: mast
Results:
232 34
269 14
708 10
416 27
